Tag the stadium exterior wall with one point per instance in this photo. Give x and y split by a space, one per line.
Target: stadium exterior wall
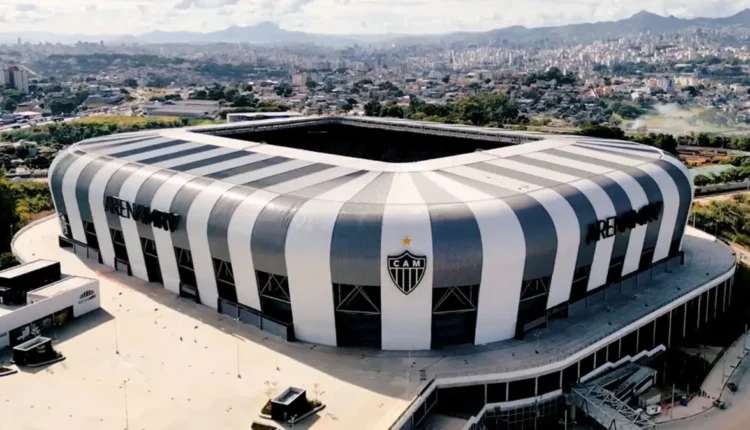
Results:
301 237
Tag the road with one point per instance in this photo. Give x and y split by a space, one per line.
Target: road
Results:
735 417
28 125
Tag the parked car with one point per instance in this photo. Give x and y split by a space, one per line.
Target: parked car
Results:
732 387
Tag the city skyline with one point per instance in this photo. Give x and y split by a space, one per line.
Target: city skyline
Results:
122 17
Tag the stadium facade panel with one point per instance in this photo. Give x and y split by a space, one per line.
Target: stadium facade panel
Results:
473 248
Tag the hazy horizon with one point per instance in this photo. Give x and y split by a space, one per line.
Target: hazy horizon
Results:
125 17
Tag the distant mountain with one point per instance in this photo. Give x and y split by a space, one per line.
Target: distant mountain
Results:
641 22
269 33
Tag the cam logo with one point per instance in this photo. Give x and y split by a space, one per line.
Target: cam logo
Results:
407 270
86 296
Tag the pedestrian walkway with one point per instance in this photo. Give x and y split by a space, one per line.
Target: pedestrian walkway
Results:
713 386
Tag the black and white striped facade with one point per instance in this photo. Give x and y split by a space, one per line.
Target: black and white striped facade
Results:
305 237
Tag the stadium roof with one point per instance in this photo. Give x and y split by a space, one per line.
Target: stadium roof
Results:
524 161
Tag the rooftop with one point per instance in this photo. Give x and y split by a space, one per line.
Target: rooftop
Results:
56 288
22 269
291 155
358 386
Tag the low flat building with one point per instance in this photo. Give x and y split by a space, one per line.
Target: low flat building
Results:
46 307
206 109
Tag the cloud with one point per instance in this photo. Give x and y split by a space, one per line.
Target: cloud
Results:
203 4
334 16
26 7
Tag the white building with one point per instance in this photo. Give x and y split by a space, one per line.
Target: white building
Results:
16 77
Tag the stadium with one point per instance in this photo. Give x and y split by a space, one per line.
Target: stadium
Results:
371 232
376 234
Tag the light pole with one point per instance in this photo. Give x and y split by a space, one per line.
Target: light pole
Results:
117 345
237 334
125 388
537 342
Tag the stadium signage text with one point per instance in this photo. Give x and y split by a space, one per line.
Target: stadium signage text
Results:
406 270
609 227
142 213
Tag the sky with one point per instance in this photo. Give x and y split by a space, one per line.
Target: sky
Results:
110 17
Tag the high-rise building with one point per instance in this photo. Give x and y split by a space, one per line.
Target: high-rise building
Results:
15 77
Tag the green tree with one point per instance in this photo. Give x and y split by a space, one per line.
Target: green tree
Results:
284 89
245 100
446 79
392 110
8 202
486 109
130 82
373 108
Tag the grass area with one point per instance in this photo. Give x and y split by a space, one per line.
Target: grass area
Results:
120 120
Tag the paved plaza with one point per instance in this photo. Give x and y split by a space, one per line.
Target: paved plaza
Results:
181 360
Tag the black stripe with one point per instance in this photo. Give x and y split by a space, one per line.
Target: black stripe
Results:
210 161
247 168
155 147
178 154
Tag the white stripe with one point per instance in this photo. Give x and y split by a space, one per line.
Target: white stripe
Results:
51 172
533 170
604 209
162 201
568 239
94 141
69 183
531 147
573 164
128 146
604 156
158 152
265 172
128 192
229 164
238 239
197 231
671 209
308 262
96 201
673 161
344 193
638 199
406 319
566 228
503 260
623 149
493 179
168 164
309 180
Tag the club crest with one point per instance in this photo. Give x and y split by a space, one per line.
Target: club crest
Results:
407 270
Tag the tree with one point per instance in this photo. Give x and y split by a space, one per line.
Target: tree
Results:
310 84
230 94
392 110
284 89
62 106
8 202
602 131
199 95
11 99
373 108
244 100
130 82
486 109
446 79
